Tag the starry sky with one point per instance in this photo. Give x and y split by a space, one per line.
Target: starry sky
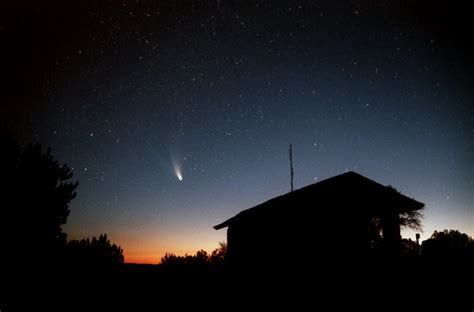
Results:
176 115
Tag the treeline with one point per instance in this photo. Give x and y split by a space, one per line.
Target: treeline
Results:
98 252
446 243
201 261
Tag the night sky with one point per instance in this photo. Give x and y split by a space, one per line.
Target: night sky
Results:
177 115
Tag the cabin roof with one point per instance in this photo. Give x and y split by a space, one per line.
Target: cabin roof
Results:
348 183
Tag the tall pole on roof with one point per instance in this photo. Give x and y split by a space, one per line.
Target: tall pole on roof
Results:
291 166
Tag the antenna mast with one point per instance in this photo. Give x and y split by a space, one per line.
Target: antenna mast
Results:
291 166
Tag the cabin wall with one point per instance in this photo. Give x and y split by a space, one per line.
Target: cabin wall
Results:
329 234
391 233
251 244
244 244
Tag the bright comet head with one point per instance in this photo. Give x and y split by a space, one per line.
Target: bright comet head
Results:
177 171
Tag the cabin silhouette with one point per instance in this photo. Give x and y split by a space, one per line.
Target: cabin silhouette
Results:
332 218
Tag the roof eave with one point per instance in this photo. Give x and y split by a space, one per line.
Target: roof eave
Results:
221 225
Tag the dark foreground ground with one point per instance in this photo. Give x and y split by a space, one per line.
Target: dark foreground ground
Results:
415 284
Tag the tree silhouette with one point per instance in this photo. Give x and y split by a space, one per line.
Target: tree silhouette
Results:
36 195
410 219
219 254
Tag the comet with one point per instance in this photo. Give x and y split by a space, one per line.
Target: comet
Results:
178 174
177 171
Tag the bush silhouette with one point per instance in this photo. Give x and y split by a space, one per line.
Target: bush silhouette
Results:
410 248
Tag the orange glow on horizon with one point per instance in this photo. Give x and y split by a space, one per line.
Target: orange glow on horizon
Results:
142 257
151 252
149 242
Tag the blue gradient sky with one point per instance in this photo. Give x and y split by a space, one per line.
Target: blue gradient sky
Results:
220 90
